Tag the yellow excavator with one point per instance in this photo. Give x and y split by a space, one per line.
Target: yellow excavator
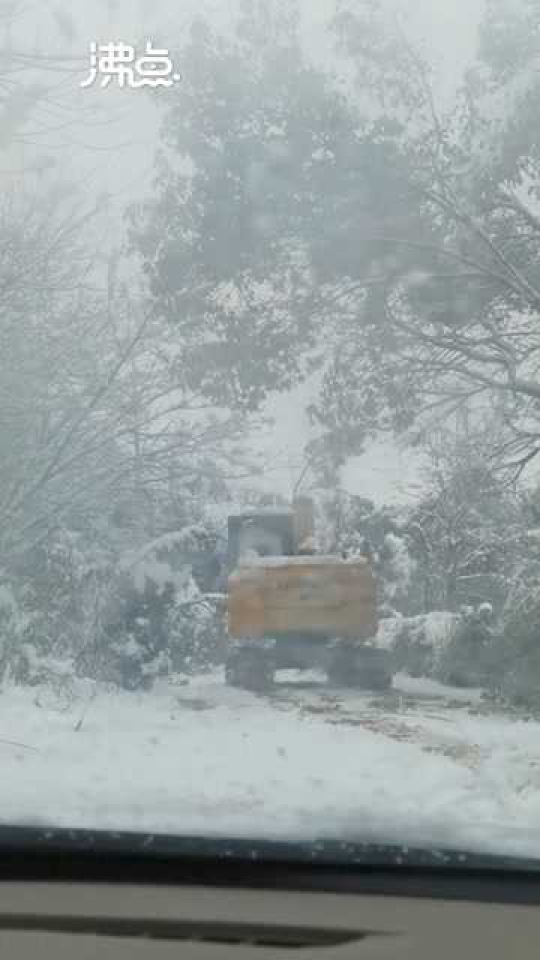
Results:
290 608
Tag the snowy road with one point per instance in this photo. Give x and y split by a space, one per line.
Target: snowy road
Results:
422 765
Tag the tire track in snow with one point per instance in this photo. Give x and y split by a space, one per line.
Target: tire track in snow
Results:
374 716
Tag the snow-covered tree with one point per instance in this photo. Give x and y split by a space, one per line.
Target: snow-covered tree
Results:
447 313
467 533
353 525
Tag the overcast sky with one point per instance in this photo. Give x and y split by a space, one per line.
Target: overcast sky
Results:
116 154
105 141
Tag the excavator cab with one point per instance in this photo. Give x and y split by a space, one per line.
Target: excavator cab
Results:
290 608
276 532
268 534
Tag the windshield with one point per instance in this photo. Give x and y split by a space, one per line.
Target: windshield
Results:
270 421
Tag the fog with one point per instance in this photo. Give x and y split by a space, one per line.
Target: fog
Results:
105 142
270 418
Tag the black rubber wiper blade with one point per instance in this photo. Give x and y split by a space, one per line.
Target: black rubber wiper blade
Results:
47 855
338 853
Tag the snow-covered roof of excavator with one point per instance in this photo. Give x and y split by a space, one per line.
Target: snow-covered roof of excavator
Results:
264 512
304 559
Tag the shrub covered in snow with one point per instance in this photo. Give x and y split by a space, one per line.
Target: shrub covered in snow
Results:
461 649
398 569
514 668
196 633
468 659
15 629
418 642
57 592
79 605
157 618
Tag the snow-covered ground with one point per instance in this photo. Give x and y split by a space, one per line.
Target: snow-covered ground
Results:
199 758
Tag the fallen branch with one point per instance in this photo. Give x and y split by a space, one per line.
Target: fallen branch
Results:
15 743
82 718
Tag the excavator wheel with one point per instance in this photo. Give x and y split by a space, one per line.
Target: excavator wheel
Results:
359 667
249 668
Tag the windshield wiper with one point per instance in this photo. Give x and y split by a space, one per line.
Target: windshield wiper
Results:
50 854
